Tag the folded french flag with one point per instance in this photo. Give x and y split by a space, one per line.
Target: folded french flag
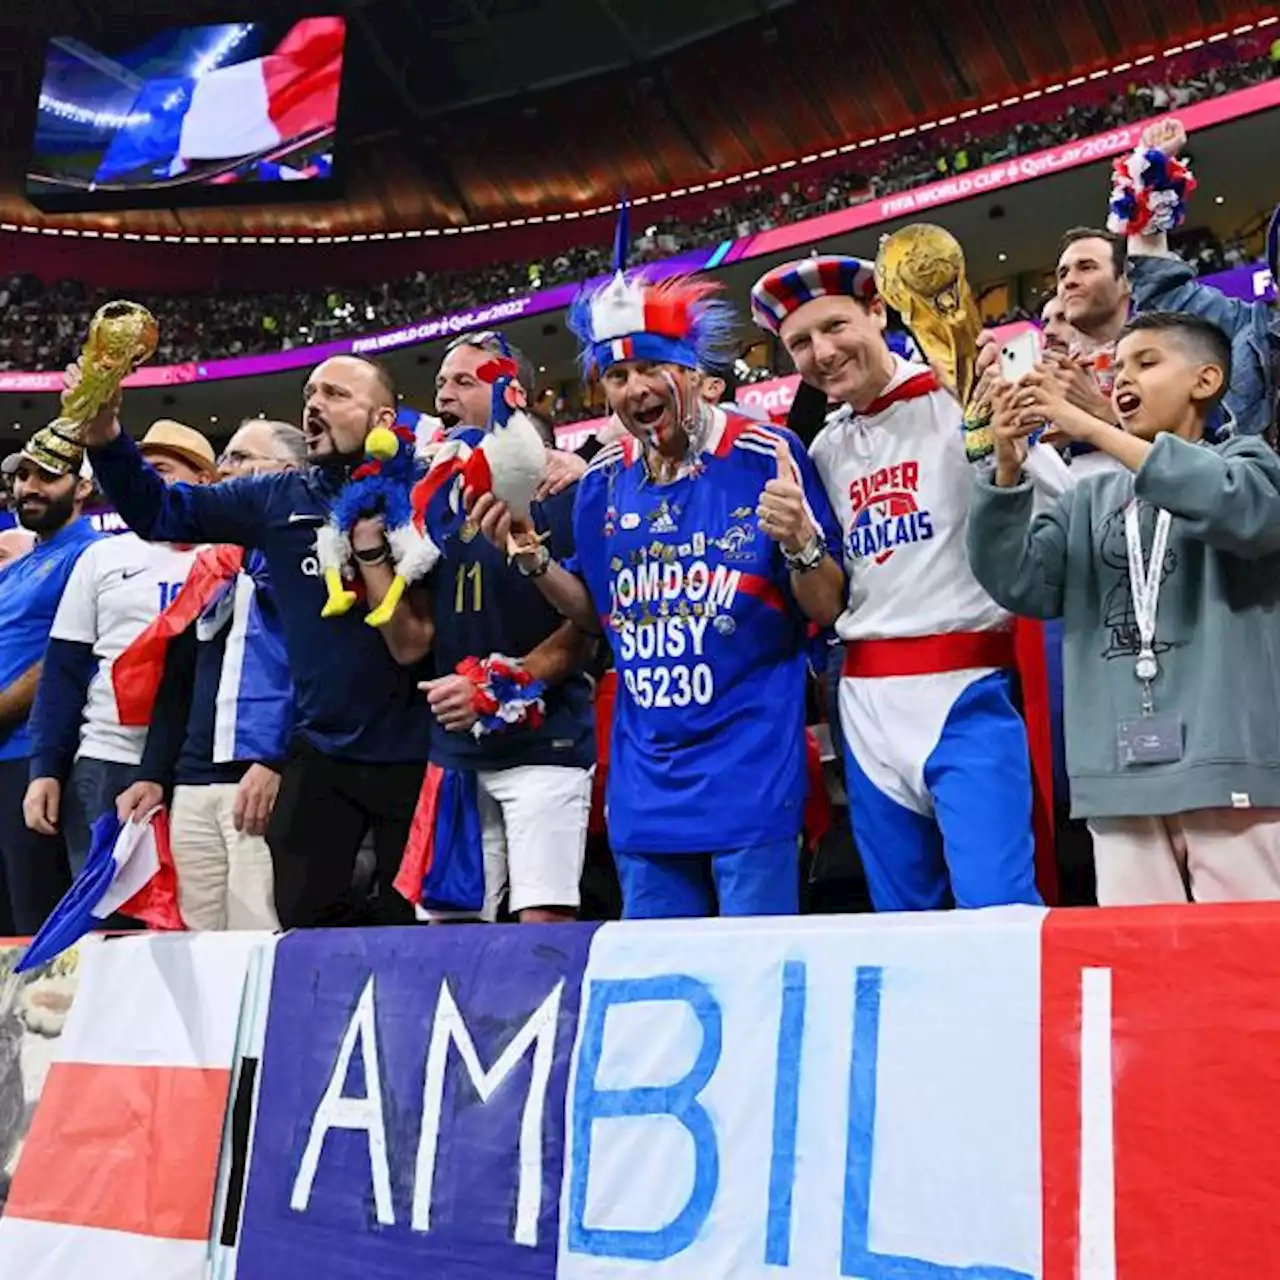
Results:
442 871
129 870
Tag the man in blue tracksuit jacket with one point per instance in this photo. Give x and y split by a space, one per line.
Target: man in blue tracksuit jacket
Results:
362 733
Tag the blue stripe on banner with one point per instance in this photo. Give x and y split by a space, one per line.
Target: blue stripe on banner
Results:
718 254
786 1115
410 1119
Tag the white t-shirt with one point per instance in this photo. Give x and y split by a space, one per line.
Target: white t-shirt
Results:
900 486
116 590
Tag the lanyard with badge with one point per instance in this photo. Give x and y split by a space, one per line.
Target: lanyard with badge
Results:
1150 738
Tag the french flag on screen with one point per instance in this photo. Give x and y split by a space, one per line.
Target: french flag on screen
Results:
129 870
237 110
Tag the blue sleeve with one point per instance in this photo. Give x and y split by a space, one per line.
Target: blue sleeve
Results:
59 707
1170 284
168 728
580 523
235 511
555 517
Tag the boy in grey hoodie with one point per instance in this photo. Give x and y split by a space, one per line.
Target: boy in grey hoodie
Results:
1167 576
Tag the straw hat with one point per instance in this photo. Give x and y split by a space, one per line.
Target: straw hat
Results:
168 436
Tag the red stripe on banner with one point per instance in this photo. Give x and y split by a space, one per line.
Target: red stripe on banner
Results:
1194 1045
124 1149
1033 682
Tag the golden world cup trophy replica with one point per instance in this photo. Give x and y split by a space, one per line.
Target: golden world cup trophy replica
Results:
920 272
122 336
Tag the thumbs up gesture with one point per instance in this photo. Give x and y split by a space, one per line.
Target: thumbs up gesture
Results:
783 512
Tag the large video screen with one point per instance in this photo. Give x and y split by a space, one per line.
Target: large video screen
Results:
189 115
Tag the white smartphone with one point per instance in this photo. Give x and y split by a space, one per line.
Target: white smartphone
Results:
1020 353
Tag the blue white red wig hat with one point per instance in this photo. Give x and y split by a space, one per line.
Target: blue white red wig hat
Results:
786 288
633 316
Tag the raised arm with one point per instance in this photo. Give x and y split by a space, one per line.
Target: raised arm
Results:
234 511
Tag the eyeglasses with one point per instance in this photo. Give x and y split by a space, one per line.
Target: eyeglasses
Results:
239 458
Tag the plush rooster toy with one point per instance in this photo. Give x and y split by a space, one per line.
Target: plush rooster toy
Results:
508 460
380 485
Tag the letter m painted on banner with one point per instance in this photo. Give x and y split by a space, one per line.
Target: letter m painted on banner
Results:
448 1028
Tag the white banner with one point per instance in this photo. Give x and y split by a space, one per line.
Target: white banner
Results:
809 1097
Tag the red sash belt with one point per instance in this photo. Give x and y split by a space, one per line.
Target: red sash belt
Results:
928 655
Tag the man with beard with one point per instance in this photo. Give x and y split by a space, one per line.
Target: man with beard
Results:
361 735
49 491
83 754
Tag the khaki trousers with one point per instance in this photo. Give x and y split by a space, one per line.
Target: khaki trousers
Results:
1205 855
225 880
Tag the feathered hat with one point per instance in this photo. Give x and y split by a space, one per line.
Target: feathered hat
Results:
788 287
678 320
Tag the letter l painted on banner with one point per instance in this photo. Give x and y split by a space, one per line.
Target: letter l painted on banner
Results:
856 1258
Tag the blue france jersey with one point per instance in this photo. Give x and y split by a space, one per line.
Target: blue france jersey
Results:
708 733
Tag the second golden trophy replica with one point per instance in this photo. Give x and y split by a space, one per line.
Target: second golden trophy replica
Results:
122 336
920 272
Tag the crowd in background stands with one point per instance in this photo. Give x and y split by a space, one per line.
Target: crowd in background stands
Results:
45 323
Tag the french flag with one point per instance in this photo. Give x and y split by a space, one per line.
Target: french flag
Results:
242 109
129 870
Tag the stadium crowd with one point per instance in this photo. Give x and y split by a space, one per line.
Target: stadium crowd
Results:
379 676
44 319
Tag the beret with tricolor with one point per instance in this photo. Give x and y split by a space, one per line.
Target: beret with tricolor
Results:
784 289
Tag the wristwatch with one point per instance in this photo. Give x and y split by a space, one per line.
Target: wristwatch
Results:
541 562
808 558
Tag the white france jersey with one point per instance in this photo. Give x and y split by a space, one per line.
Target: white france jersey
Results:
118 587
900 485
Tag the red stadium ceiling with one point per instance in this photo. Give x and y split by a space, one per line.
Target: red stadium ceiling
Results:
572 101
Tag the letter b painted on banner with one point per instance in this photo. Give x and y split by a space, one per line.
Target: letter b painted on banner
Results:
678 1100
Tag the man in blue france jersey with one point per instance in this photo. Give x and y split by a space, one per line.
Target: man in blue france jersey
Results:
704 547
49 492
533 783
361 740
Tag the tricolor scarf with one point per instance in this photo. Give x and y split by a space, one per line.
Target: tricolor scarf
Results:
254 713
442 871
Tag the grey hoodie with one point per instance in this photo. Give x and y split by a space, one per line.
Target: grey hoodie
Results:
1217 626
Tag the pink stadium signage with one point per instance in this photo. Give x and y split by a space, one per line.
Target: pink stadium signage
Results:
1039 164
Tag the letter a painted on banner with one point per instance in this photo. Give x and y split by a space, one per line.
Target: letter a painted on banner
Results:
677 1100
449 1028
339 1112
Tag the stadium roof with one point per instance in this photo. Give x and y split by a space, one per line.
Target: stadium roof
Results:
480 111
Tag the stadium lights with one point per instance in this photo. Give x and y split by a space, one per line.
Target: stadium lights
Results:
229 41
206 62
